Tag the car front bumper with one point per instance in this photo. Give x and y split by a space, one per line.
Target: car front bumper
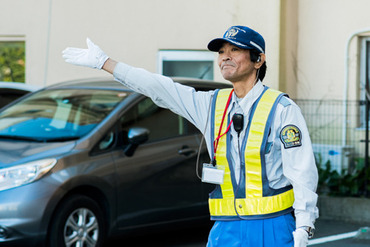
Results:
23 214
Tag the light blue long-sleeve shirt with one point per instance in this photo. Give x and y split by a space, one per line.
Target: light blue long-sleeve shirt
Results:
284 166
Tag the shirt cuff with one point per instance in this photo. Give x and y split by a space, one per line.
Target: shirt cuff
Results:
306 219
120 71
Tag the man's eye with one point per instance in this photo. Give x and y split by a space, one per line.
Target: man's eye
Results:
220 51
235 49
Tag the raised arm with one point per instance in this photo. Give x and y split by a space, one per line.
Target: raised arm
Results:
180 99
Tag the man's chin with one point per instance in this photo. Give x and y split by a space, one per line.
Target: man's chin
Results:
229 78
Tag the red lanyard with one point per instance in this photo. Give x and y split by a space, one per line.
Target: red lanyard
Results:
215 142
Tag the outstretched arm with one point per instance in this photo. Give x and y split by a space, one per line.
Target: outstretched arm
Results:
180 99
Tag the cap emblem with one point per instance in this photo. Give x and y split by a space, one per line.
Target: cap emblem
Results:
231 33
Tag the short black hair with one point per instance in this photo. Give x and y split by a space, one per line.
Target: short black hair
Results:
254 54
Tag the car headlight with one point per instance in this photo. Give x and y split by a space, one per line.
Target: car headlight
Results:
23 174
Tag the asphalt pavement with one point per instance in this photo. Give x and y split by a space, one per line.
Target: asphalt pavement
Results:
329 233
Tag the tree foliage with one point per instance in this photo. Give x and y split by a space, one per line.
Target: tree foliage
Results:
12 61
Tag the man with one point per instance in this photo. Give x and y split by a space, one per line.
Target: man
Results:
262 158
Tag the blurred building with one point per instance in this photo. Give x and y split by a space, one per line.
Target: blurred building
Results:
316 49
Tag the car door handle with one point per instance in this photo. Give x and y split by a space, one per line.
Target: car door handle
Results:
186 151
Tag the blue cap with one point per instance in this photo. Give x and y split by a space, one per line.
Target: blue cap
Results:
240 36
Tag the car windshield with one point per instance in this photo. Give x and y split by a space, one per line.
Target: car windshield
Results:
58 115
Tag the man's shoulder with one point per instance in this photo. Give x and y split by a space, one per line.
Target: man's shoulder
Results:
285 101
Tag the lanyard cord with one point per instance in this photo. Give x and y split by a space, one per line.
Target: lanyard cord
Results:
215 142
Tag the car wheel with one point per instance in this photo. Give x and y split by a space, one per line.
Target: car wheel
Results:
78 222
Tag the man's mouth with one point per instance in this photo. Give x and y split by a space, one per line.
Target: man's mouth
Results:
226 65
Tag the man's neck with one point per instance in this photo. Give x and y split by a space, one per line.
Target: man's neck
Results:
242 88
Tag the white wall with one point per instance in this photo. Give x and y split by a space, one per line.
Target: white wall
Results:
324 28
130 31
134 31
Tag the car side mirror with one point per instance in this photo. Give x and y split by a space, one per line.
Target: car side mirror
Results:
136 136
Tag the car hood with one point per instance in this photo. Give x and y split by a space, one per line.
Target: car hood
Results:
16 152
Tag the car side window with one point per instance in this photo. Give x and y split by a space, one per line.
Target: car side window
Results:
7 97
106 143
161 123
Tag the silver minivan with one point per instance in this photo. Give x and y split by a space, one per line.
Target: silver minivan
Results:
86 160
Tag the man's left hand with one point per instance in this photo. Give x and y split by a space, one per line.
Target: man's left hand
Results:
300 237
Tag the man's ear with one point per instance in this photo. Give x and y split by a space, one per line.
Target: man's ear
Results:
261 59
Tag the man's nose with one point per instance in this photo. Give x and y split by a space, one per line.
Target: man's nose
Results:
226 57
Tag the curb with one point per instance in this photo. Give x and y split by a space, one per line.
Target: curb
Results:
351 209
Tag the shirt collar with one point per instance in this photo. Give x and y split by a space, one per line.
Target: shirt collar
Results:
248 100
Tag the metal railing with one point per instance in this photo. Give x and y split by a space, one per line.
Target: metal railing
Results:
324 120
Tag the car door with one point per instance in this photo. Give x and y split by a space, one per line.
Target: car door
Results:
159 183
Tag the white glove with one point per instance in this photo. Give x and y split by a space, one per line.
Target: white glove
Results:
92 57
300 237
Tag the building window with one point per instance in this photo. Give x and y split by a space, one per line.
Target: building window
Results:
194 64
12 60
365 79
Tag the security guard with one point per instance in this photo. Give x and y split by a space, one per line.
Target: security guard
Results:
262 158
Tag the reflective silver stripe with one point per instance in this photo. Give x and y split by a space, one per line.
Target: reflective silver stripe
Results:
257 46
237 43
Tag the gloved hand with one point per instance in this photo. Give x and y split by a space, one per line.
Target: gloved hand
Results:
92 57
300 237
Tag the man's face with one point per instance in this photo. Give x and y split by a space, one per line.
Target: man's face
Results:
235 63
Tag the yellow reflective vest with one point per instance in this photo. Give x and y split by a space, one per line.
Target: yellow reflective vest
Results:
252 198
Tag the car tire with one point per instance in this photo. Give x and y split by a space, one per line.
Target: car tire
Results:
78 221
